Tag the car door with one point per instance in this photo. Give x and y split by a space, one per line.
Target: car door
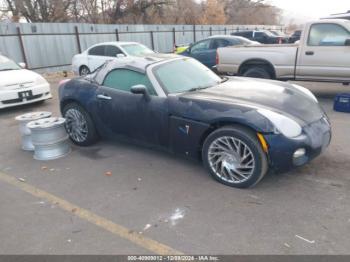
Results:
203 51
325 56
96 57
136 116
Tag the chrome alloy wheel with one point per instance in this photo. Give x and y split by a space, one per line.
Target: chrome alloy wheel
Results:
231 159
76 125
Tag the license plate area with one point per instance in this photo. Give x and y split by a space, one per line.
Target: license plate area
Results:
25 94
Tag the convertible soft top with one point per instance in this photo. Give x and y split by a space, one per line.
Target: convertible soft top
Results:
138 64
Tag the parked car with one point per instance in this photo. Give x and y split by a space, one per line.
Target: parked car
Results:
323 54
96 55
20 86
262 36
279 33
295 37
239 127
205 50
178 49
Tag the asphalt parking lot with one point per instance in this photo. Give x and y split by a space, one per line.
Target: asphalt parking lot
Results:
154 202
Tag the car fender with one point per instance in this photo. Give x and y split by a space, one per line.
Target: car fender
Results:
187 135
79 91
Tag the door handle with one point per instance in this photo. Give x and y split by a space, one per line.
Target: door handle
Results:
309 53
105 97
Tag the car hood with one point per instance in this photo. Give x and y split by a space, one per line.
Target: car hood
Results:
15 77
277 96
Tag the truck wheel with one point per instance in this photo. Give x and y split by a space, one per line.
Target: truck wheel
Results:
257 72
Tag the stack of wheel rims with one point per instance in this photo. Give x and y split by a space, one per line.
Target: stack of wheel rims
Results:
24 119
49 138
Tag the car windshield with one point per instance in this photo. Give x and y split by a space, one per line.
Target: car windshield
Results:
137 50
7 64
184 75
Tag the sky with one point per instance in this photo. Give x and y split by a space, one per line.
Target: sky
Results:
303 10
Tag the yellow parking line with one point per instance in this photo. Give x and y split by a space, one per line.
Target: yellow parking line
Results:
147 243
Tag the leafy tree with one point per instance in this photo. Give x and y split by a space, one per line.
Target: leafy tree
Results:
142 11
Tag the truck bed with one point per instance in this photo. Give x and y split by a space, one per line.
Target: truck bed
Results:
282 57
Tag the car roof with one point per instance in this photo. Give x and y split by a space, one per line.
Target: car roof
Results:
258 30
225 36
117 43
140 63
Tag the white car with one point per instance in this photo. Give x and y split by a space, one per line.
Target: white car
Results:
20 86
89 60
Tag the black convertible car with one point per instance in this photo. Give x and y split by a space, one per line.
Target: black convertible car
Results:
239 127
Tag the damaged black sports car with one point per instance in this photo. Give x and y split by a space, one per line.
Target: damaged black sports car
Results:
239 127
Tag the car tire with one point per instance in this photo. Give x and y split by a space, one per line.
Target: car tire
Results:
84 70
241 168
79 125
257 72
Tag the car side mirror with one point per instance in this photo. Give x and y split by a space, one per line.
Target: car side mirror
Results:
139 90
120 55
347 42
22 64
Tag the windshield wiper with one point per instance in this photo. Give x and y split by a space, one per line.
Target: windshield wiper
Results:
198 88
224 79
7 69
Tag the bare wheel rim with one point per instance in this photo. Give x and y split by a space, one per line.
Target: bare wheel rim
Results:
76 125
231 159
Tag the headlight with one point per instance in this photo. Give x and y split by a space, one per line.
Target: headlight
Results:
39 80
288 127
305 91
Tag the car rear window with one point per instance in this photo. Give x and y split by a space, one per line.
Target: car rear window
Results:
112 51
97 50
136 49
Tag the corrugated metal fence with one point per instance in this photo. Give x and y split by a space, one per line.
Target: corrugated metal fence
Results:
51 46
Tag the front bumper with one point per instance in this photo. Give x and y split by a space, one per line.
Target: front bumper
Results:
315 139
9 98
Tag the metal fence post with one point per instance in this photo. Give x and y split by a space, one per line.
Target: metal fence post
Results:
117 34
22 46
225 30
78 39
174 37
152 40
210 31
194 34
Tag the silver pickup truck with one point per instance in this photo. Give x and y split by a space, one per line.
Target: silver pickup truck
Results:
322 54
